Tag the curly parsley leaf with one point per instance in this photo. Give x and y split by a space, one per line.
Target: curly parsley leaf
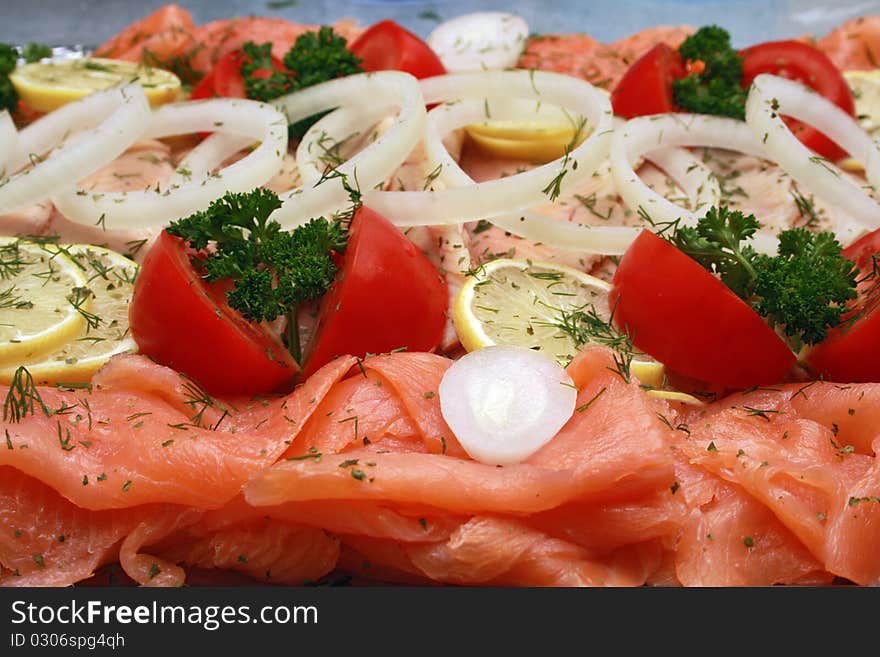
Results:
716 243
804 289
34 52
8 62
273 271
715 85
315 57
320 56
261 80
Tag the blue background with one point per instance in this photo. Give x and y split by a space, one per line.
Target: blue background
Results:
89 22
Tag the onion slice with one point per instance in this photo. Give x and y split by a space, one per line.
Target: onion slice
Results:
8 138
156 208
112 120
371 166
480 41
514 193
769 98
318 152
643 135
208 155
504 403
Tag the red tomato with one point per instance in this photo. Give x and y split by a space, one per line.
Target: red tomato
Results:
182 322
225 79
810 66
863 249
204 89
386 46
686 318
388 296
849 354
646 87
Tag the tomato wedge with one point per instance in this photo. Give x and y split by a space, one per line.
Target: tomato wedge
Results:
646 87
204 89
850 353
225 79
809 66
181 321
683 316
387 46
388 296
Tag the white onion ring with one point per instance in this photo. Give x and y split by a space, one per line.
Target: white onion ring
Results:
373 164
511 194
334 128
208 155
611 240
153 209
645 134
8 139
120 116
820 176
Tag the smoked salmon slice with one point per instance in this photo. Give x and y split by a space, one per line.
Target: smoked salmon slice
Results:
356 471
145 434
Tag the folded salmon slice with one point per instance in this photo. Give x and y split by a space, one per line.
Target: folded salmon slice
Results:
613 448
786 449
47 541
145 434
495 551
855 45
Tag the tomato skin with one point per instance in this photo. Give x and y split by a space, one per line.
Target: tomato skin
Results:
683 316
225 79
181 321
810 66
646 87
863 249
204 89
850 354
387 46
388 296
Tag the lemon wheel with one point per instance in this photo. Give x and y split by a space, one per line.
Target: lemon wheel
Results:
47 85
109 279
865 87
532 304
522 140
42 304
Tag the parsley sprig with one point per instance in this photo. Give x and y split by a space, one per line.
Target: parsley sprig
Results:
715 83
32 52
315 57
273 271
804 289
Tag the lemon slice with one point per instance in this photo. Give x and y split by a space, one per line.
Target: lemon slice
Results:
109 277
675 396
537 142
865 87
41 306
46 86
528 304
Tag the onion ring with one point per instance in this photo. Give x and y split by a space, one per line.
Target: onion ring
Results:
8 139
373 164
642 135
334 129
154 209
112 119
511 194
769 97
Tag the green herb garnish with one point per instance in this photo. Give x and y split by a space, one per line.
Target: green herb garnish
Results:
273 270
803 290
715 85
